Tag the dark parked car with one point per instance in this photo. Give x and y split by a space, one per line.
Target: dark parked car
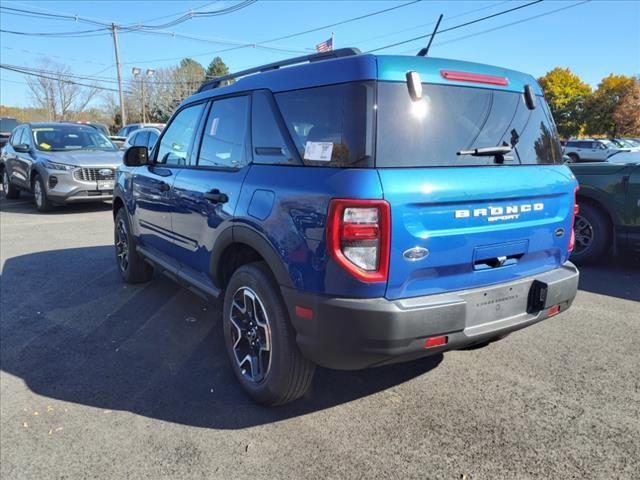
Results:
7 124
60 163
609 203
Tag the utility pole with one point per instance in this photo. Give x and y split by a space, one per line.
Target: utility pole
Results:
114 31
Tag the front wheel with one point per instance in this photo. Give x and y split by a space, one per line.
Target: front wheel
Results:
260 340
132 267
574 157
40 198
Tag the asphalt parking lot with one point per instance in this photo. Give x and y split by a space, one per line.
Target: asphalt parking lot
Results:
103 380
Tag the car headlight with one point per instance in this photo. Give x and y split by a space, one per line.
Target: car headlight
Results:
57 166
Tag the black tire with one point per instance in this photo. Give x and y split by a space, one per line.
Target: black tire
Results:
288 375
40 198
132 267
9 189
574 157
592 229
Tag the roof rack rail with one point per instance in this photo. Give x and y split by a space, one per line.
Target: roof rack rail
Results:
316 57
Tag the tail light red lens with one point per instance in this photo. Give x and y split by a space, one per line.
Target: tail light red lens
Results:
358 237
576 210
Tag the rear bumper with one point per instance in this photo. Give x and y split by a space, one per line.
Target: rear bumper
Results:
350 334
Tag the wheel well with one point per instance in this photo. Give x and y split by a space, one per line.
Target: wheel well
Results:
233 257
117 205
600 208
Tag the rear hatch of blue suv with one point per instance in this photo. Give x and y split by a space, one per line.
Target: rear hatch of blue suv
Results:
470 236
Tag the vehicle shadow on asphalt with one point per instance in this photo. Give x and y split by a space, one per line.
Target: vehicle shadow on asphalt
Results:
155 350
616 276
25 205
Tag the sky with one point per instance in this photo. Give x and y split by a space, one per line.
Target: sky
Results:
593 38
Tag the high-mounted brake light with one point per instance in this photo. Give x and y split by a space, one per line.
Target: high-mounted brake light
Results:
358 237
576 210
474 77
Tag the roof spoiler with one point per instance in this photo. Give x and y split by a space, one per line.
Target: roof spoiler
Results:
316 57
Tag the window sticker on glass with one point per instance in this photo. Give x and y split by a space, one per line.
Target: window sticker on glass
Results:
318 151
214 126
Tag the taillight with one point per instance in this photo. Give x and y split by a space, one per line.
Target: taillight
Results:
576 210
358 237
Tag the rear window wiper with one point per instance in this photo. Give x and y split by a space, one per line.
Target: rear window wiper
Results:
497 152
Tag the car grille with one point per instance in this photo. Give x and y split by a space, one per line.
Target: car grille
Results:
93 174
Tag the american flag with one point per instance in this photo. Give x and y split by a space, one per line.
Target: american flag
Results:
325 46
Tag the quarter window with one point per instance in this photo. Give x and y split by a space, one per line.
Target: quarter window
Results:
176 143
269 146
224 139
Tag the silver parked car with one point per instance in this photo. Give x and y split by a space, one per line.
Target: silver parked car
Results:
60 163
590 150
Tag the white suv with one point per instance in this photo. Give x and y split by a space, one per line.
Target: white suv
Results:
585 150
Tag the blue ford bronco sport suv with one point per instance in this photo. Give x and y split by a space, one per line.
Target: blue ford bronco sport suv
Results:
355 210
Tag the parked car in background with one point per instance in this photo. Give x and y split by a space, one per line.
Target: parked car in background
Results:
585 149
59 163
609 204
626 143
127 129
307 199
7 124
145 137
624 157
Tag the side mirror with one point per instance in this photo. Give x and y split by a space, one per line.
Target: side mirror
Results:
22 148
136 156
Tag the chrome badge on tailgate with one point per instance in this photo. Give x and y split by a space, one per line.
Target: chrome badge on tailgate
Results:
494 214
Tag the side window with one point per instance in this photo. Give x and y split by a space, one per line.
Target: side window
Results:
224 139
153 136
140 139
176 143
269 146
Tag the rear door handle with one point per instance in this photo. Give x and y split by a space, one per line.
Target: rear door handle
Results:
214 196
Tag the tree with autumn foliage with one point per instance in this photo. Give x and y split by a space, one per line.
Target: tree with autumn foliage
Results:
567 97
626 116
602 105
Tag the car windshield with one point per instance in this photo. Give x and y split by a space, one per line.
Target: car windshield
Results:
450 119
8 124
64 138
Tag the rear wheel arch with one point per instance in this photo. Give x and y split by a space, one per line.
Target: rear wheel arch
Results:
118 203
240 245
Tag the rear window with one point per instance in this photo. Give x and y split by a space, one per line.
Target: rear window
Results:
331 125
449 119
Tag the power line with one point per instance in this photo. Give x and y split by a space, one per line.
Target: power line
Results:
455 27
78 60
422 26
517 22
10 68
341 22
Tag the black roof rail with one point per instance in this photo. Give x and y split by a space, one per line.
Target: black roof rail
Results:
316 57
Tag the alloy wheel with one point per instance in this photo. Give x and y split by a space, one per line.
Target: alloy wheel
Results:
122 245
584 234
250 335
37 193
